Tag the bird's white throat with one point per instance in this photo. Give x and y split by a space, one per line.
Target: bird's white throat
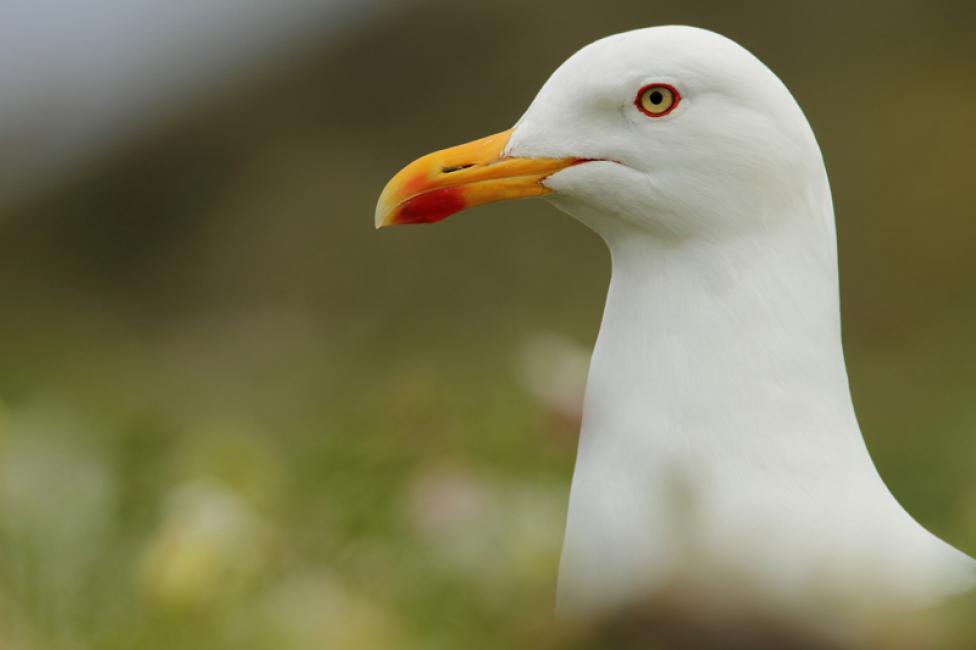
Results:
718 431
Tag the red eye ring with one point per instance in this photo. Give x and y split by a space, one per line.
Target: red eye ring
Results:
667 100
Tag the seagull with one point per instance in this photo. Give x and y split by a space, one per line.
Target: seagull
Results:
719 444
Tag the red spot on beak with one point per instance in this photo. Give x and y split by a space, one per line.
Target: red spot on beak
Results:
431 207
416 184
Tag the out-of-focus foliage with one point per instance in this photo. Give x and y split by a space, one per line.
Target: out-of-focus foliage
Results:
234 416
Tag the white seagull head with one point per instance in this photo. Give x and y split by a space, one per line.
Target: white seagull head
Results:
676 131
688 133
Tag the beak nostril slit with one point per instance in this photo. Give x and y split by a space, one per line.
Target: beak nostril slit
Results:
455 168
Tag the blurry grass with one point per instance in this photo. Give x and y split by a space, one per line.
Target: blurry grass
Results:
210 532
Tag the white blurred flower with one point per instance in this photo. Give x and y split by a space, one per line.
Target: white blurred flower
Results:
500 533
210 544
445 501
552 368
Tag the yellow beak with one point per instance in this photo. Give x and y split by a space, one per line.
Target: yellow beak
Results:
439 184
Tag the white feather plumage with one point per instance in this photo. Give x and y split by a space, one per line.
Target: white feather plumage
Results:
719 442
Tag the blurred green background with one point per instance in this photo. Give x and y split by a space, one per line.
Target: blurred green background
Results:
233 415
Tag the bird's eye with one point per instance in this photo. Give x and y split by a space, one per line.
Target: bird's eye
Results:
657 100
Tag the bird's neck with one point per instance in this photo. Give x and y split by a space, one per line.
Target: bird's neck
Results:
717 385
721 349
719 437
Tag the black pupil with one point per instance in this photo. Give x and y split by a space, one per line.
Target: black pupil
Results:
657 97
